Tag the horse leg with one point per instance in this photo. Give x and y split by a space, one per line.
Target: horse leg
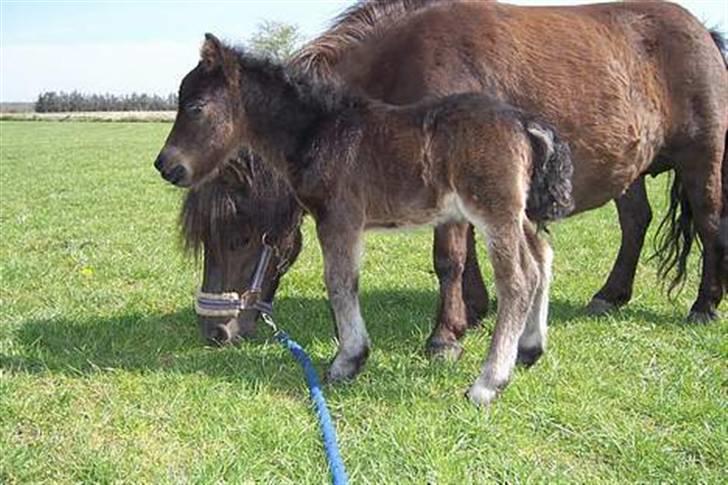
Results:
516 280
475 293
702 185
449 256
341 247
635 216
532 343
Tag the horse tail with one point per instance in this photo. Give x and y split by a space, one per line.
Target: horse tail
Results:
676 233
675 237
722 44
550 194
723 226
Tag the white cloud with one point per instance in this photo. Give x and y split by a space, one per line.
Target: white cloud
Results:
154 67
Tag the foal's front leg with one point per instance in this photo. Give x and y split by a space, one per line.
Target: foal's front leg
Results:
341 247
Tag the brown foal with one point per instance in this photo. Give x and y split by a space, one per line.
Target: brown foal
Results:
356 164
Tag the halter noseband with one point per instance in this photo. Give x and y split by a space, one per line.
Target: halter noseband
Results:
229 304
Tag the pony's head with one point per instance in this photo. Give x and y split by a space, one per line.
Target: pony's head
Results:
243 222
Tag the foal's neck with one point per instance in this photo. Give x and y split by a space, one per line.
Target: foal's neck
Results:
282 110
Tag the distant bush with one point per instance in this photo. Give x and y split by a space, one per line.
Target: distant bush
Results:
55 102
275 39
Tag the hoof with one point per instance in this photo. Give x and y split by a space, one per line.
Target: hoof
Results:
701 318
528 357
440 350
598 307
481 395
345 369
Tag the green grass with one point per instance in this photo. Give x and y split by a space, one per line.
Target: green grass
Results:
104 378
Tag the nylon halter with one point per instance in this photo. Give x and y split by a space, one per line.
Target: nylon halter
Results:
230 304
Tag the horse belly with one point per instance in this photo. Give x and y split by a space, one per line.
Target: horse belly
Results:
406 215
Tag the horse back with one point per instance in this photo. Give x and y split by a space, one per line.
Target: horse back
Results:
618 80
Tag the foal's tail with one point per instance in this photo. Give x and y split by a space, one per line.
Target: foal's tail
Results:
549 196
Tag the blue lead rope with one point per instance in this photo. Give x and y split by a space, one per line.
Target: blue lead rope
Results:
336 464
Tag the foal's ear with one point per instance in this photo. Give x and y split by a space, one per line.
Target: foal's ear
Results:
211 52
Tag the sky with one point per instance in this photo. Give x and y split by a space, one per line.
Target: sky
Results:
147 46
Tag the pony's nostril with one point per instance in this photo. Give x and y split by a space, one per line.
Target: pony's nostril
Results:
219 335
159 162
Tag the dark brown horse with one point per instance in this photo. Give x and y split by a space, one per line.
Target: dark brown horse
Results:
402 51
356 164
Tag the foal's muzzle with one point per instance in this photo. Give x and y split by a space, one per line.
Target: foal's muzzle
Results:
176 174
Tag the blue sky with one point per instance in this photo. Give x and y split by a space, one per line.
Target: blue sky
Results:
147 46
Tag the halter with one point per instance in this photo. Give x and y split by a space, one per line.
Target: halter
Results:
230 304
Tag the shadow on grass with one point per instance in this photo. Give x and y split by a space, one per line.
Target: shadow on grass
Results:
172 342
398 320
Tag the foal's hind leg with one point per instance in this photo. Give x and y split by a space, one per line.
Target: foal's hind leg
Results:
341 248
635 216
532 343
516 281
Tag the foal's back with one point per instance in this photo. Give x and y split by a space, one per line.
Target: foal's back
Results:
413 162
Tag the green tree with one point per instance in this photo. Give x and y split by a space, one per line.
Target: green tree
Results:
275 39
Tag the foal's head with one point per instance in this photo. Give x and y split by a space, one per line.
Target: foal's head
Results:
233 98
204 135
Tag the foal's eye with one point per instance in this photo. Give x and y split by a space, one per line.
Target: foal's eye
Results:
194 108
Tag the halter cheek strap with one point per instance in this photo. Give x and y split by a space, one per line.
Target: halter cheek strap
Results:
230 304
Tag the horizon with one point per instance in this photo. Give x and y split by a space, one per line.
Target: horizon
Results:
146 47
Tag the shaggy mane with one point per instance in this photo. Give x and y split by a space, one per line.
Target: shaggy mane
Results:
319 94
353 26
245 199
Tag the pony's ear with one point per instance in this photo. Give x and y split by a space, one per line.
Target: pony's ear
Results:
211 52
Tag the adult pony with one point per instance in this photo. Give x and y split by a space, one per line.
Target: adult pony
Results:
599 73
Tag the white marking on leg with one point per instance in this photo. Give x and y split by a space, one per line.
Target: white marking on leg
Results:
535 334
516 290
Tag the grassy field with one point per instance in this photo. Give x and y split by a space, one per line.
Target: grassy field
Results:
104 378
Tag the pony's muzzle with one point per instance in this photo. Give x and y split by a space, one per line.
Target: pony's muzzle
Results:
218 331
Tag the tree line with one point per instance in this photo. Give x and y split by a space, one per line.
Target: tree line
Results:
54 102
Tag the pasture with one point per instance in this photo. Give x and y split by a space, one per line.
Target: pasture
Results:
104 377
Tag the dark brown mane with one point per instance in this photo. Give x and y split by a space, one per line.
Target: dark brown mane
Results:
354 25
219 212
